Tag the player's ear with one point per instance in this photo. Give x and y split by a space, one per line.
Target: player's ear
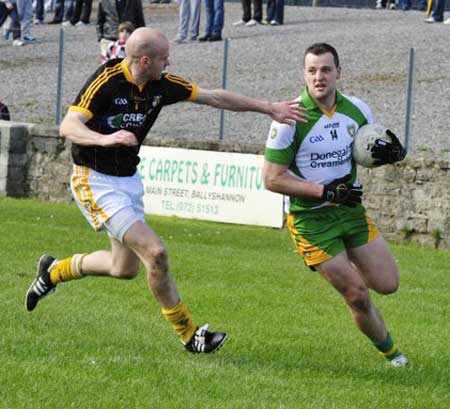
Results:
144 60
338 70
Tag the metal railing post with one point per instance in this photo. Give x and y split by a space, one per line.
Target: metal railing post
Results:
409 97
224 84
60 76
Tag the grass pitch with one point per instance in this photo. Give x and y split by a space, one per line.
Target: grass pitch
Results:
102 343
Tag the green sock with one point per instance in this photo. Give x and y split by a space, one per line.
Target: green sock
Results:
388 348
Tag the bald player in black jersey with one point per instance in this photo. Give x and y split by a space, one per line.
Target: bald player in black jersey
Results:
107 124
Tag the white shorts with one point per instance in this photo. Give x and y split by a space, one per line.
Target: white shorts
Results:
108 202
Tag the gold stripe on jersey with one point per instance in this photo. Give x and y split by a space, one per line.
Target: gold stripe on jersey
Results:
188 85
79 180
330 113
312 255
92 89
84 193
127 72
194 93
178 80
105 75
129 76
86 112
97 83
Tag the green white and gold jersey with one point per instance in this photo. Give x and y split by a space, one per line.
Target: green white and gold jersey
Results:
320 150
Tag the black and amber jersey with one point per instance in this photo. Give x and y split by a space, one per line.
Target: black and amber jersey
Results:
112 101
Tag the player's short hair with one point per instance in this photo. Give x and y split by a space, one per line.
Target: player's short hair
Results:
322 48
127 26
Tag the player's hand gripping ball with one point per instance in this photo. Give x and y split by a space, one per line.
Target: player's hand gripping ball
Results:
374 145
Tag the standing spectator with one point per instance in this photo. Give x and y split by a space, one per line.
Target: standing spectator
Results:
117 49
275 12
113 12
4 112
247 18
25 9
9 8
214 20
437 16
81 13
39 12
406 5
49 5
189 13
3 13
388 4
5 20
59 15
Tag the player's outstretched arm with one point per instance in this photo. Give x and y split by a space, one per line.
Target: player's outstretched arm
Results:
73 127
286 112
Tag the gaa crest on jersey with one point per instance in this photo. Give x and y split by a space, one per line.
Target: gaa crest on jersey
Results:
120 101
351 129
273 133
156 100
138 101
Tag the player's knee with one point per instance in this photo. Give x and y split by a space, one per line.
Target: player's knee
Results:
358 298
159 260
124 273
388 288
159 255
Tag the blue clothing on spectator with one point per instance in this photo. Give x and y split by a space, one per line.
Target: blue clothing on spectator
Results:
214 17
39 10
13 14
25 9
189 19
60 5
275 11
438 10
421 4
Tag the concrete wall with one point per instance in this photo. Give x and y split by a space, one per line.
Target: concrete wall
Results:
34 162
408 201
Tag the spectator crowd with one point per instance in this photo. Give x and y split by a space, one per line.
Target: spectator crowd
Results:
17 17
117 19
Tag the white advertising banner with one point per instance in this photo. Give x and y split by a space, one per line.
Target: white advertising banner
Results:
217 186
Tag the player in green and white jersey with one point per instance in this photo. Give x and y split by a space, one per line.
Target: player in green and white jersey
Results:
312 164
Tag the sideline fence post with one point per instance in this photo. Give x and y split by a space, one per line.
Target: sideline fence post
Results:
409 96
224 83
60 75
